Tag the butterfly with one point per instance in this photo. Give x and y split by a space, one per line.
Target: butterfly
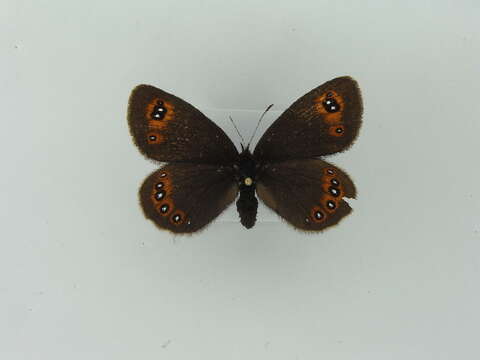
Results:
205 173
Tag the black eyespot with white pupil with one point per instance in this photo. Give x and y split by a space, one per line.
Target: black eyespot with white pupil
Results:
176 218
164 209
159 185
152 138
318 215
160 195
330 172
339 130
159 111
334 191
331 105
335 182
331 204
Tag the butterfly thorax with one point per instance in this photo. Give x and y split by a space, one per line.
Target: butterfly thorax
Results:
245 173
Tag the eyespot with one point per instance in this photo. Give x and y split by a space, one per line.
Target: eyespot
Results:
159 111
159 195
331 105
329 171
336 130
335 182
159 185
154 138
317 214
334 191
178 217
163 174
165 207
331 205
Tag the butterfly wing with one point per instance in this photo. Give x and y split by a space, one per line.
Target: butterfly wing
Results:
183 198
308 193
167 128
324 121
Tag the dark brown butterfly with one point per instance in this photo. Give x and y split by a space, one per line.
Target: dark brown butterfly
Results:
205 172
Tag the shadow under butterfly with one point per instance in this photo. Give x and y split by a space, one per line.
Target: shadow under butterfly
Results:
205 172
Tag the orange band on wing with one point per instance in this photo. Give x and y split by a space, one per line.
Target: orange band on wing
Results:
330 117
336 130
317 214
154 138
158 112
329 203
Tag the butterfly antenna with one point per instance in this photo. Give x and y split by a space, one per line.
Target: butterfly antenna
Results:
238 132
258 124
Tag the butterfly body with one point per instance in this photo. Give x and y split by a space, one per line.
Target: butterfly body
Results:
246 176
205 172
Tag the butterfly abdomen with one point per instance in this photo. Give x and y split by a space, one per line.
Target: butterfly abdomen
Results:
247 205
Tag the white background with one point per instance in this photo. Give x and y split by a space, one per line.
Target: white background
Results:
84 276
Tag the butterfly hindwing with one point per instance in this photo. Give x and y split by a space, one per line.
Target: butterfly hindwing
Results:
307 193
184 197
324 121
167 128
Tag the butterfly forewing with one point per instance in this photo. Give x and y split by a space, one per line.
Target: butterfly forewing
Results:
324 121
307 193
168 129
